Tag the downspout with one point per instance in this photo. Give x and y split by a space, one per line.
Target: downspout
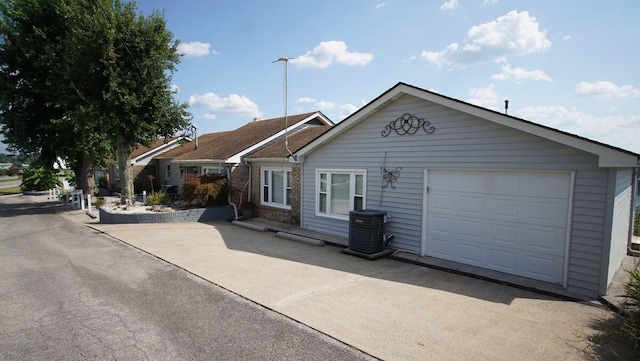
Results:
235 207
634 195
249 182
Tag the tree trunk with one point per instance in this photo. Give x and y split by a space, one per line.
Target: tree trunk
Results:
126 173
85 176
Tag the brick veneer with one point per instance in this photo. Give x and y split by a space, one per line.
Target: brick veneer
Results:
291 216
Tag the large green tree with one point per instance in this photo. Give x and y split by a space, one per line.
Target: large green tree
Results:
79 79
141 57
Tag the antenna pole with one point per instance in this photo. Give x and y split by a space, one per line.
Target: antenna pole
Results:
285 60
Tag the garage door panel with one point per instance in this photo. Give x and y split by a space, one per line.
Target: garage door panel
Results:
442 202
541 267
471 253
440 247
509 221
442 225
502 260
546 239
472 205
470 229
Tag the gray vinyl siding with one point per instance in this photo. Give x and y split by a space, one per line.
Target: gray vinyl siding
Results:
621 220
460 141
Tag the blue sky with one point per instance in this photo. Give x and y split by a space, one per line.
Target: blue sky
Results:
571 65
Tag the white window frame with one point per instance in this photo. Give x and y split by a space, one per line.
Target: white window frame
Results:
168 171
327 192
286 187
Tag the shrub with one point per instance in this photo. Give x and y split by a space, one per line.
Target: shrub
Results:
103 182
158 198
631 312
99 202
4 172
37 178
206 190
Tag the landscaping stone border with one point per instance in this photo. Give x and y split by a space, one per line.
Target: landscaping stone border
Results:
189 215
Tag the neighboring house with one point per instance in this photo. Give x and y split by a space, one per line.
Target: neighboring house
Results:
141 160
275 182
224 152
468 185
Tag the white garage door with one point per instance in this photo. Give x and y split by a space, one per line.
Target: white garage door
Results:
508 221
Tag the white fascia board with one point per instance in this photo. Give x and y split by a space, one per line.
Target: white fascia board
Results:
144 158
237 158
192 161
607 156
350 121
267 160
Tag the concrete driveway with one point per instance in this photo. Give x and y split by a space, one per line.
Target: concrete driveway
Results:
389 309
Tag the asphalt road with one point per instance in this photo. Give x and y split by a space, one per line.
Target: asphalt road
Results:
70 293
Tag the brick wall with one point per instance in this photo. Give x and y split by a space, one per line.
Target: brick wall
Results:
287 216
239 179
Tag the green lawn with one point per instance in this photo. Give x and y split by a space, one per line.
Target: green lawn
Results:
10 190
2 179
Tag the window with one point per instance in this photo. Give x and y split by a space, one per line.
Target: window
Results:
213 171
168 177
339 192
276 187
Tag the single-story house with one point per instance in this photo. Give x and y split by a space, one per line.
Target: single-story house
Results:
142 160
468 185
274 181
225 152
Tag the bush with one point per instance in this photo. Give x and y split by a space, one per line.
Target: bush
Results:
206 190
37 178
99 202
103 182
631 312
158 198
4 172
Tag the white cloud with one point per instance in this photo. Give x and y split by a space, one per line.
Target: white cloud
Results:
488 2
566 37
520 74
195 49
305 100
606 89
449 5
174 88
346 110
621 131
380 5
484 97
328 52
234 103
514 34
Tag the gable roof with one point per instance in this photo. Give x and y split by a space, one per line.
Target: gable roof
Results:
143 153
231 146
608 156
278 149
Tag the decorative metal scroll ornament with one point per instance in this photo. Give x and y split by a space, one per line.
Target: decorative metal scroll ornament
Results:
390 176
408 124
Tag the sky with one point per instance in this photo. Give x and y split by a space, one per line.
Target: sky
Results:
571 65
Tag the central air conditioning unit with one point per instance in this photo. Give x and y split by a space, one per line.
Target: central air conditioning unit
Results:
368 231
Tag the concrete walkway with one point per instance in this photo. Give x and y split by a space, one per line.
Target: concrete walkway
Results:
390 309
